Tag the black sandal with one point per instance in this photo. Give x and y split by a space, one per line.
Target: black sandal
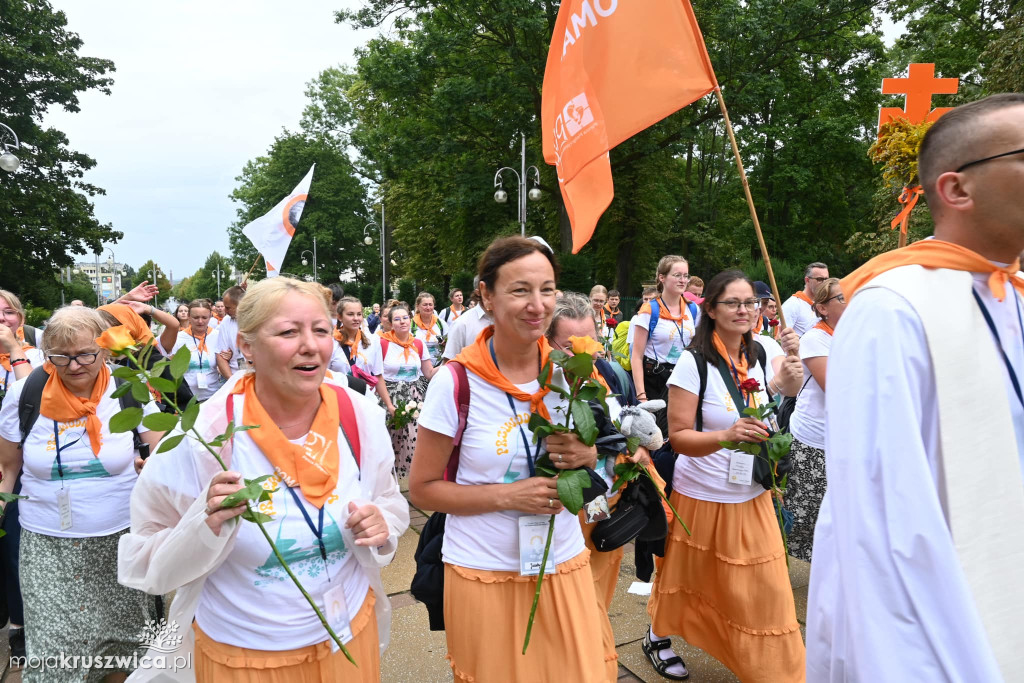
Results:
653 647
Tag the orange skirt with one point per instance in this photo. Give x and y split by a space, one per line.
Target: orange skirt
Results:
726 589
604 566
486 613
221 663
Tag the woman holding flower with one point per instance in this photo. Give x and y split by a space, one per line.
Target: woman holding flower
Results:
251 623
426 326
487 600
725 589
78 478
407 369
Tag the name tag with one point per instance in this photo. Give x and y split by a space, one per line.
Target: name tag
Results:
336 611
64 508
741 468
533 532
202 380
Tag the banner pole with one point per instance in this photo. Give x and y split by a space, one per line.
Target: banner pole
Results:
903 239
750 204
246 278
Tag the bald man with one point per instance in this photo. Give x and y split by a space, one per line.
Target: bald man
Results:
919 545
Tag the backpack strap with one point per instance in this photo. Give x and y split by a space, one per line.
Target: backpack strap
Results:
384 343
460 380
702 373
418 343
31 335
693 311
28 405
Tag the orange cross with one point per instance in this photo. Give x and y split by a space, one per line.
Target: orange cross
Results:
919 86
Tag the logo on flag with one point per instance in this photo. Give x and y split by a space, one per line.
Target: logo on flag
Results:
577 114
272 233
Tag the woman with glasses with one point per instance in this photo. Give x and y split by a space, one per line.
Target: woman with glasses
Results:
78 477
725 589
407 367
202 376
17 357
427 327
798 309
658 345
806 485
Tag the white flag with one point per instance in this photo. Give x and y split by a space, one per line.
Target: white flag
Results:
272 232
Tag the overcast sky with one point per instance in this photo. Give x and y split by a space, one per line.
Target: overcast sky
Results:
200 89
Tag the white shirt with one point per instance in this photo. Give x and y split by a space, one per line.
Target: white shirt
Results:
808 420
227 340
669 337
493 452
886 583
7 378
202 375
99 487
339 363
431 338
465 330
404 365
252 576
213 324
449 316
368 359
799 315
707 478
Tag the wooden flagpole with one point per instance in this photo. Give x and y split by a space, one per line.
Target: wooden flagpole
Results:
750 203
246 278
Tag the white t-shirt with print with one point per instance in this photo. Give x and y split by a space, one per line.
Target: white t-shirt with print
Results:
251 575
339 363
227 340
404 365
808 420
99 487
431 338
670 337
7 377
493 452
368 358
202 376
799 315
707 478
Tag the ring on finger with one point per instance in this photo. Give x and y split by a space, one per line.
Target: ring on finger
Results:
551 503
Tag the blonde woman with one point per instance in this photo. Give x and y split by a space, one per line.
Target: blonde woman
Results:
17 357
250 622
202 375
407 367
427 327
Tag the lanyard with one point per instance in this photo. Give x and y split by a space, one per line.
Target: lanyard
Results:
317 531
197 347
56 443
999 342
512 405
679 329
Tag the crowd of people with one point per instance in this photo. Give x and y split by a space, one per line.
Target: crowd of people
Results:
883 495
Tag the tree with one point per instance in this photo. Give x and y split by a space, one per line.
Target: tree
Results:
1004 55
47 210
203 283
143 273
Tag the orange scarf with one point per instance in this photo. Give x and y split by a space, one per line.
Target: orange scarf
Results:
739 365
61 405
935 254
822 325
429 329
131 320
313 466
187 329
477 358
608 310
5 358
338 337
407 346
201 341
455 313
219 318
803 297
663 311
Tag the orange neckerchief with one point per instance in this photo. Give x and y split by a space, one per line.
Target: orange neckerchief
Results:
739 365
187 329
219 318
429 329
822 325
663 312
477 358
61 405
201 341
312 466
338 336
407 346
456 313
131 320
5 358
935 254
608 309
803 297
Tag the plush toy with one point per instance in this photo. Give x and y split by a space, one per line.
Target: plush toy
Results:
638 422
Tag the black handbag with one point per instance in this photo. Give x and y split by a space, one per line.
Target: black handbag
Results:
637 515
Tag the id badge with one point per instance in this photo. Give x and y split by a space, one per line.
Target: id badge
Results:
741 468
597 510
533 532
64 508
201 379
673 354
336 611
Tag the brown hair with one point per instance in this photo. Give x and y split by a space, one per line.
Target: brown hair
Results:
346 301
696 281
200 303
506 249
664 266
399 305
823 293
702 339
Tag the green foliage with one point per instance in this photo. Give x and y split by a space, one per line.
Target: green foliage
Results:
36 316
46 206
161 281
407 291
577 273
203 283
462 280
1005 54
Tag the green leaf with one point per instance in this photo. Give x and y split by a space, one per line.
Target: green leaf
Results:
583 420
188 418
752 412
558 357
245 428
160 422
545 374
121 390
632 443
580 365
141 392
8 497
570 490
537 421
590 392
256 516
180 361
169 442
123 372
253 490
544 466
126 420
163 385
158 367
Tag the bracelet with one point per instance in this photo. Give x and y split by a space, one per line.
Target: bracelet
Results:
642 394
19 361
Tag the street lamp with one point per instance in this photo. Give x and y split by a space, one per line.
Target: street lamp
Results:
313 254
219 274
8 161
367 240
501 196
155 273
113 277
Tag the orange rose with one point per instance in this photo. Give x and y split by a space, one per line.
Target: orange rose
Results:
585 345
117 339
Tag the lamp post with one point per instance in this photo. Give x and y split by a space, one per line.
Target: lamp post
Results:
367 240
8 142
313 254
219 274
501 196
99 277
154 273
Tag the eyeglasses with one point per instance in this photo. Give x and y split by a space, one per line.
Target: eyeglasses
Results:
403 319
819 280
64 361
680 276
994 156
840 297
734 305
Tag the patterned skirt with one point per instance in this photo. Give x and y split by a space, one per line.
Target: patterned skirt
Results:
75 606
404 440
804 491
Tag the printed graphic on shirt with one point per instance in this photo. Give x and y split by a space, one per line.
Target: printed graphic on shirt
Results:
76 457
510 429
303 560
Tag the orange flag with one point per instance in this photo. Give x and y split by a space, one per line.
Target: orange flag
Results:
613 69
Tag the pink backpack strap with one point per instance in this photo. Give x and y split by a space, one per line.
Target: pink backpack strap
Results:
384 349
460 390
418 343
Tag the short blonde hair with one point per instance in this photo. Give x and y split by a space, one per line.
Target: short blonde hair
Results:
66 324
14 302
263 300
423 296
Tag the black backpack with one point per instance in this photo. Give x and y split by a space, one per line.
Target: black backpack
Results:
32 394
